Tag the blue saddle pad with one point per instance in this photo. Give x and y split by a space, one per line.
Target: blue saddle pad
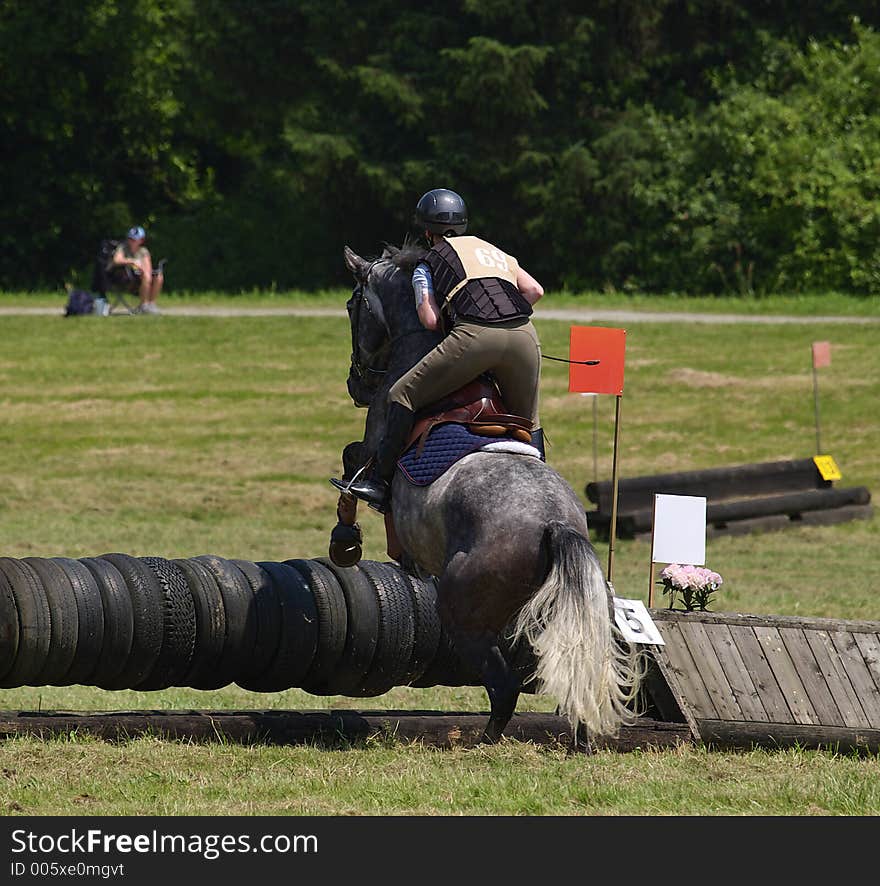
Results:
446 444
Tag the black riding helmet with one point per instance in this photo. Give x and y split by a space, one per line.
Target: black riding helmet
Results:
442 211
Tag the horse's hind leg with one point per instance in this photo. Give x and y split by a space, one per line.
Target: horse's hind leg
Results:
503 686
482 654
468 609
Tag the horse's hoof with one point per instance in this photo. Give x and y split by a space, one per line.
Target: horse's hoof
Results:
345 555
581 743
345 545
492 735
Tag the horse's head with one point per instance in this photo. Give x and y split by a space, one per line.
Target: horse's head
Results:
380 308
370 336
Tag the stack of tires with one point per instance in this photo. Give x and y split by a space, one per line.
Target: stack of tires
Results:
123 622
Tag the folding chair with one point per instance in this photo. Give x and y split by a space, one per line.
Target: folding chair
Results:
104 284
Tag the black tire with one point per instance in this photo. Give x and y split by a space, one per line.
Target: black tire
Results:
64 619
8 627
90 629
446 668
146 610
332 625
362 625
267 611
210 623
427 623
179 626
394 647
241 622
298 641
118 621
34 624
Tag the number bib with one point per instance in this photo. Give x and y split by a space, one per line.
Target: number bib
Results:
474 280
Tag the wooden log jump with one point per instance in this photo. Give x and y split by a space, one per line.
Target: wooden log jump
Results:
328 727
743 680
750 497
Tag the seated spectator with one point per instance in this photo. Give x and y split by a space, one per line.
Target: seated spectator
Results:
131 267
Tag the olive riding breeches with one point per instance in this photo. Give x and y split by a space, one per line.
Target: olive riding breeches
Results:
510 351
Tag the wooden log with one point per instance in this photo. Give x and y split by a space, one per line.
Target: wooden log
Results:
837 515
435 728
716 484
772 523
726 735
792 504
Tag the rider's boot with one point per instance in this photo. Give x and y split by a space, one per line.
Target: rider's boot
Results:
538 442
376 489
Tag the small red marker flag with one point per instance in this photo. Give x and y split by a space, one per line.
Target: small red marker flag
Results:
821 354
608 346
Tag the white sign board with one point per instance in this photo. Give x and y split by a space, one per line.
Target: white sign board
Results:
679 529
635 623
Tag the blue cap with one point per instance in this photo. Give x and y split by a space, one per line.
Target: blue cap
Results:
136 233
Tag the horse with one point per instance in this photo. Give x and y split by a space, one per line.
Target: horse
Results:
504 536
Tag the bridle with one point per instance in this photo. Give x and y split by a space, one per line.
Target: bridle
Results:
364 362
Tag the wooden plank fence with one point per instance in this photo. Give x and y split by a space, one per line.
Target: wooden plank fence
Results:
770 681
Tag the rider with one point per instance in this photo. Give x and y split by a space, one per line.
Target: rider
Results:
482 299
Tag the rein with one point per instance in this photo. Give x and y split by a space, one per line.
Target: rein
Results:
359 300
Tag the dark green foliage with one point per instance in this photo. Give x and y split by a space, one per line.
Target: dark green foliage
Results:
648 144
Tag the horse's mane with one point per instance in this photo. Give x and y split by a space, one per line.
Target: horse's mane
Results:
405 257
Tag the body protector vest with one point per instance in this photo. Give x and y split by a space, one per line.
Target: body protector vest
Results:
474 280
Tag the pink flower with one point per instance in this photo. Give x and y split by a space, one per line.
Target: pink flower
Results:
695 584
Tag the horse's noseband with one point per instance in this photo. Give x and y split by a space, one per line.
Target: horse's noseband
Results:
365 364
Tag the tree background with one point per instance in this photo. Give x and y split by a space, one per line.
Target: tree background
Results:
652 145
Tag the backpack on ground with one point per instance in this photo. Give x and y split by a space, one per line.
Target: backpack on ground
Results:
79 302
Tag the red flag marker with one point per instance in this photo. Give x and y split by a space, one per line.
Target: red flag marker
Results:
608 346
821 354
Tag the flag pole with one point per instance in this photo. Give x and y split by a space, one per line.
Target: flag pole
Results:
651 571
612 532
595 438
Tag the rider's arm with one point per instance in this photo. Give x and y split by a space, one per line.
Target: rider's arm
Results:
120 258
423 287
530 288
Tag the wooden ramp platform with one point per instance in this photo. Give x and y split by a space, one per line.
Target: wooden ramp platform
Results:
772 681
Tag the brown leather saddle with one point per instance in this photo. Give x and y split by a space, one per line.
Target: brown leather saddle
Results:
479 406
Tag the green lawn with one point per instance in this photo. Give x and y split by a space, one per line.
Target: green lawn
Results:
180 436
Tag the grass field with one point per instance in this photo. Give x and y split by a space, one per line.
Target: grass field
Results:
180 436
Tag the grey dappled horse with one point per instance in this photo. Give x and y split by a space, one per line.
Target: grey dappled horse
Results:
504 534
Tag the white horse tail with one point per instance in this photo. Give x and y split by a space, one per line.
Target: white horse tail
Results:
567 622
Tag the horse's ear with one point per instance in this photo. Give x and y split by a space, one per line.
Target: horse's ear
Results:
357 265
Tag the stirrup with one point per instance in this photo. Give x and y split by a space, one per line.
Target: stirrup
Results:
380 506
